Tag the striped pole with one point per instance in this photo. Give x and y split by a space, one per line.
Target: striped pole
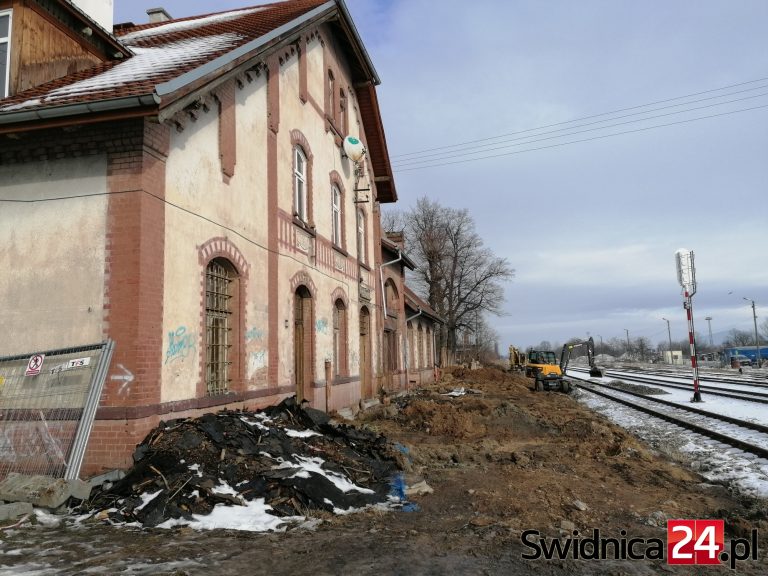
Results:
688 305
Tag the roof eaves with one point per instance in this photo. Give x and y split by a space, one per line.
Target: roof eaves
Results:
349 24
395 249
190 78
98 106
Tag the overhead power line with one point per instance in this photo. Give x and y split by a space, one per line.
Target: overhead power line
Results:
600 137
582 118
572 132
489 146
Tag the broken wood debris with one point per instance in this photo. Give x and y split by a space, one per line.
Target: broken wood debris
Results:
292 456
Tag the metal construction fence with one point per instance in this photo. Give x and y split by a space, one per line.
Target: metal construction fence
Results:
48 402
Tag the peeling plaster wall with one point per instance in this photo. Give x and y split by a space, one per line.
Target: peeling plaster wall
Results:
53 254
210 208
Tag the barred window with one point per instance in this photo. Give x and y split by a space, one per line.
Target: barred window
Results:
219 278
340 339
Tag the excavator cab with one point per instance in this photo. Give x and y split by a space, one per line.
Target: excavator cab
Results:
543 368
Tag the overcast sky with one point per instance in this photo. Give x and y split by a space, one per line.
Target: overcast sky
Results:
590 227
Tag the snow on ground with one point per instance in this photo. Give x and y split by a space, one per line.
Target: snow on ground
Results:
718 463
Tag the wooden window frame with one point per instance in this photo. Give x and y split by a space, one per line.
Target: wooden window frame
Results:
300 185
5 79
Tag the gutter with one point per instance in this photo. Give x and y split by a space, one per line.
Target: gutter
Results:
166 88
79 108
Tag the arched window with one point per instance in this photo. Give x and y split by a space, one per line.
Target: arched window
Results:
220 324
300 184
336 235
361 255
392 298
340 355
331 102
342 112
420 346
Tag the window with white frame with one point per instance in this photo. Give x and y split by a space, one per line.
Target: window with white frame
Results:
5 51
336 215
361 235
300 183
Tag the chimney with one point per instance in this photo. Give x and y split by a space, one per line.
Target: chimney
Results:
100 11
158 15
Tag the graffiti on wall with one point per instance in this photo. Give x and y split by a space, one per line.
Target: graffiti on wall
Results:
254 334
256 362
180 344
322 326
126 378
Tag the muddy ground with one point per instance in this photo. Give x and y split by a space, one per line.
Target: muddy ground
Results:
500 462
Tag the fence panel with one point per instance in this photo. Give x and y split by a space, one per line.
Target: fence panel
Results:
48 402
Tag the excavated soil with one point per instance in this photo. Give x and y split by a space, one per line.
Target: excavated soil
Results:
501 460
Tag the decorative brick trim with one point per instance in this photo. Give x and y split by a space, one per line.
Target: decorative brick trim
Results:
135 258
302 278
339 294
273 93
227 129
303 69
222 247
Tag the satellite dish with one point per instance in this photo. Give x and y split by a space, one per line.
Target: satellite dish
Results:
354 149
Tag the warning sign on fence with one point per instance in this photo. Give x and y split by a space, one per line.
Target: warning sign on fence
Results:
34 365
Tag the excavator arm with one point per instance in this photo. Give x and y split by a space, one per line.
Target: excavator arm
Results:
565 356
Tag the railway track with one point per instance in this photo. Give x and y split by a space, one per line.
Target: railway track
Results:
758 380
744 435
748 396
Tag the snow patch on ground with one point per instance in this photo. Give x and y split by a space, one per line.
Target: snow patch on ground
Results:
744 472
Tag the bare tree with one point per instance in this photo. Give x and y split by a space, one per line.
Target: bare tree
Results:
643 346
738 337
458 275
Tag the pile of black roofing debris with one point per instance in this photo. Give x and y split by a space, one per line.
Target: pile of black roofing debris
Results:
292 456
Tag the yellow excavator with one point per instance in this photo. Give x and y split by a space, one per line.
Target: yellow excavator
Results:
516 359
565 356
543 367
549 374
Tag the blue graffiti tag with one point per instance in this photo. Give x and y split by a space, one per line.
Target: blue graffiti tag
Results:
180 344
254 334
322 326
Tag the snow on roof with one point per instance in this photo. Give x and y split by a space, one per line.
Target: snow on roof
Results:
148 63
161 53
187 24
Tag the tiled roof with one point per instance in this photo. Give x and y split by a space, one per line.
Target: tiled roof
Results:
163 51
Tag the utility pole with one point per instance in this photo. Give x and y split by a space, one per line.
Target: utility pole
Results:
757 339
629 348
669 334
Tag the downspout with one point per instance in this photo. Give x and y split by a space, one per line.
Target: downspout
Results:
381 277
408 319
